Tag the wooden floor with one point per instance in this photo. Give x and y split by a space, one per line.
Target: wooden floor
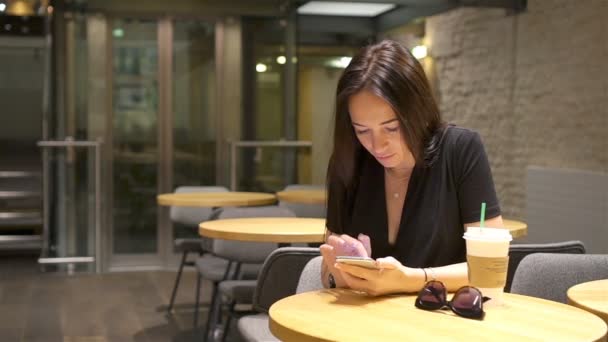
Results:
126 306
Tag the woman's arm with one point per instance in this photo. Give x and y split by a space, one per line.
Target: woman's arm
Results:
393 277
396 278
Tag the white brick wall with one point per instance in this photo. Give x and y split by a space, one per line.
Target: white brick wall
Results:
535 85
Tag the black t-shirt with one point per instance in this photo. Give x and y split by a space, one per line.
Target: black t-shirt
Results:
440 200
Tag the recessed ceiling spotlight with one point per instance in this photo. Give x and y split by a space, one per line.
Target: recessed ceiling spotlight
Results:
260 67
349 9
419 51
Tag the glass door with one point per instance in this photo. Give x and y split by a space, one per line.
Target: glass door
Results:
163 130
135 139
194 117
144 90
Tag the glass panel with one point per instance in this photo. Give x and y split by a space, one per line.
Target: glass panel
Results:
194 128
323 53
319 69
264 77
135 138
72 230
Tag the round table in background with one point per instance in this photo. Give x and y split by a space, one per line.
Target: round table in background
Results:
345 315
303 196
216 199
591 296
516 228
266 229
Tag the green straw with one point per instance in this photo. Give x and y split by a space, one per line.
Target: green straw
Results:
483 214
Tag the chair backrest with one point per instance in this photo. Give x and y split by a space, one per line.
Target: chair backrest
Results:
247 252
567 204
310 279
303 209
192 216
549 276
518 251
280 275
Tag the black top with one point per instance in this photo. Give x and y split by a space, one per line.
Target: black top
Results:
440 200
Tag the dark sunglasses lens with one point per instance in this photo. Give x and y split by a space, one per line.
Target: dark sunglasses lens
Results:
468 302
432 296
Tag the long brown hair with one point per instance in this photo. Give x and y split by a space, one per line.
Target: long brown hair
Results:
388 70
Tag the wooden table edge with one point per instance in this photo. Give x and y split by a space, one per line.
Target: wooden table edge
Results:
575 303
253 237
516 232
164 201
286 334
283 196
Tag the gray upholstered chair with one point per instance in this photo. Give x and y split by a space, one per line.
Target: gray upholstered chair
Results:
287 271
310 279
518 251
247 258
189 217
549 276
302 209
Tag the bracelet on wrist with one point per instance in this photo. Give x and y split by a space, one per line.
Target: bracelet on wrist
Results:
331 281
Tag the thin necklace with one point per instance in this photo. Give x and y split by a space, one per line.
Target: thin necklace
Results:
392 179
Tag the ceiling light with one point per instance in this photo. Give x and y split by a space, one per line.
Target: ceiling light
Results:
345 61
118 33
342 62
281 60
350 9
260 67
21 8
2 7
419 51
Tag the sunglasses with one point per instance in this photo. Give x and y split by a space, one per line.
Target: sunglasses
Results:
466 302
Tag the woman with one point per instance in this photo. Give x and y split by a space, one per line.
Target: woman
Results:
402 185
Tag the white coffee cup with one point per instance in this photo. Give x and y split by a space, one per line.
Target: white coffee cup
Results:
488 260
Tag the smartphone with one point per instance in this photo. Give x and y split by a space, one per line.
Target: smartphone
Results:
358 261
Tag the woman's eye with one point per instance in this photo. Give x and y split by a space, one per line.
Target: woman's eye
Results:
361 131
392 129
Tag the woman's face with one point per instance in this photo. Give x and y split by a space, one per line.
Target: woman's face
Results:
379 131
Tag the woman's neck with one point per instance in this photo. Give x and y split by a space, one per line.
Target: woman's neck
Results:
399 173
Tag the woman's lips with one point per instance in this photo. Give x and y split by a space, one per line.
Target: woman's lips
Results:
384 157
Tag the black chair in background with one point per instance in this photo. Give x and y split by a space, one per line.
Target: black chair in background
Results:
518 251
237 285
287 271
190 217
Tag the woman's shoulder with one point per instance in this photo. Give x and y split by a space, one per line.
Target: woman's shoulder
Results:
458 135
460 143
457 139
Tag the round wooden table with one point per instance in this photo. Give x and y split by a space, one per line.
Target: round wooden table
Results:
345 315
216 199
516 228
303 196
591 296
266 229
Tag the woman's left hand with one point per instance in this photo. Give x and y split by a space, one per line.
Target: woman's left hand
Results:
392 277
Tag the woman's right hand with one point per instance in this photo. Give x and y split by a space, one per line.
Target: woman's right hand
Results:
343 245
